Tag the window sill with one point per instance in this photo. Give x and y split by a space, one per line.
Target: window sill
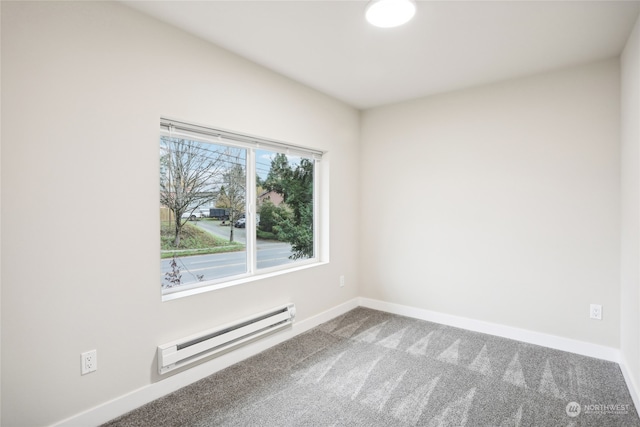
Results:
239 281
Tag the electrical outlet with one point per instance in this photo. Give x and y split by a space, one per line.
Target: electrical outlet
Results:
89 361
342 281
595 311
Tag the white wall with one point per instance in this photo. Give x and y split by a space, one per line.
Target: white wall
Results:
84 85
630 227
499 203
0 221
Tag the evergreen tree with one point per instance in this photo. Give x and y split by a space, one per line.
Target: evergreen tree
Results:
296 187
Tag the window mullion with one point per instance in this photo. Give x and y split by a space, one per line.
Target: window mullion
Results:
316 210
250 225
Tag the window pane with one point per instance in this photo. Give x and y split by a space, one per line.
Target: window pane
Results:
202 194
284 186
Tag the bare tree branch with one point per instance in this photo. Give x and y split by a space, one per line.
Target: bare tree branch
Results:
190 173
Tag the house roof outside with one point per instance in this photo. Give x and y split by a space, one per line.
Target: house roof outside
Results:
272 196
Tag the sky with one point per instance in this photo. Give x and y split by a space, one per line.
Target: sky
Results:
263 157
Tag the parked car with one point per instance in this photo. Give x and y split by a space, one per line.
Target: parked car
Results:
193 216
242 222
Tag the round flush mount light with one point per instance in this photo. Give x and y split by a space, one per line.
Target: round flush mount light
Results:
390 13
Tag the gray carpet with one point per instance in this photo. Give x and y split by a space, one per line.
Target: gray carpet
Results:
370 368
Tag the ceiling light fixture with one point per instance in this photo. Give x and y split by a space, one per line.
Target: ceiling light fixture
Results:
390 13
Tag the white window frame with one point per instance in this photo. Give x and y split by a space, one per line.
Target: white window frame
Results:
172 127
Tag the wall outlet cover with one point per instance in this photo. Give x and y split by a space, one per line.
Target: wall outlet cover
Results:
89 361
595 311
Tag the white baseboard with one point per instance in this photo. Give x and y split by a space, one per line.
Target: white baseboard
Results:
130 401
531 337
631 383
123 404
559 343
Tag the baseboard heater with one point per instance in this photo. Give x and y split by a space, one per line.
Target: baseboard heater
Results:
179 353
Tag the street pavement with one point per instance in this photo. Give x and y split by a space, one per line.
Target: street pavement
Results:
216 266
224 231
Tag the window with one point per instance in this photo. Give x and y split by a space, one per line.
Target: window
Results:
233 207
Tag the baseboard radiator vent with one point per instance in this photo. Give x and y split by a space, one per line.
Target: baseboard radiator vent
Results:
182 352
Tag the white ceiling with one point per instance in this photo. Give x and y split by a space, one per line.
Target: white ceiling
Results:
449 45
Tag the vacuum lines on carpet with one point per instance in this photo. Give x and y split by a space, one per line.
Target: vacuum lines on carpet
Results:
370 368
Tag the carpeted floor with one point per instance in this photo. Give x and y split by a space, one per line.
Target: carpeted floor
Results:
370 368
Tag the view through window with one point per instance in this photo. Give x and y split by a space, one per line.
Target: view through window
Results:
230 209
